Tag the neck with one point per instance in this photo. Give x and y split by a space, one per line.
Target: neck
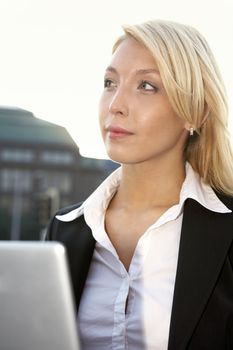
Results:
150 185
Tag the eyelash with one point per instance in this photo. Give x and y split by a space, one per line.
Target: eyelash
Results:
107 81
154 88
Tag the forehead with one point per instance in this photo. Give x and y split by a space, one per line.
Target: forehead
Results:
132 54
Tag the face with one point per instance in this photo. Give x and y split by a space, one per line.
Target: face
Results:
136 118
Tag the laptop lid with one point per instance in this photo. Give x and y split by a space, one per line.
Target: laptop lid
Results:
36 302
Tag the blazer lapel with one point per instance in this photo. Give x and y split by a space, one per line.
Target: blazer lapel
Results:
80 243
205 239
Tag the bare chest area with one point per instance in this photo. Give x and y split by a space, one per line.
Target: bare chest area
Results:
124 229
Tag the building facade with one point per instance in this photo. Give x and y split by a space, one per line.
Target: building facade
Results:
40 170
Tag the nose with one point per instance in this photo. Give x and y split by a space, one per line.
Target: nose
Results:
119 103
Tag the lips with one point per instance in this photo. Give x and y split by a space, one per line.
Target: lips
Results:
118 132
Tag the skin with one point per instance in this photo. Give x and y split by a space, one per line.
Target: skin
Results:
151 153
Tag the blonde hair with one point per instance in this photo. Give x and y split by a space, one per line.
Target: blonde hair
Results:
196 92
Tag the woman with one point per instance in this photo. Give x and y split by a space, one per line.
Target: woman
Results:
150 251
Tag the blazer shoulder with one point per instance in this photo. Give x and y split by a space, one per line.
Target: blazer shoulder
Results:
69 208
55 227
226 199
76 235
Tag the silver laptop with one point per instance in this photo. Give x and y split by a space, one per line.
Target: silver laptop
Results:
36 303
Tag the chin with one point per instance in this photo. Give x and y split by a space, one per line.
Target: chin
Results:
128 155
123 158
118 158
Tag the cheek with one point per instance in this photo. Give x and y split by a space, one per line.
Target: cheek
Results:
161 124
151 120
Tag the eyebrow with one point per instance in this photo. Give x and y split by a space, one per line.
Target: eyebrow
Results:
137 72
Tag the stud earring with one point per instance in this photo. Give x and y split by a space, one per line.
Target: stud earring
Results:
191 131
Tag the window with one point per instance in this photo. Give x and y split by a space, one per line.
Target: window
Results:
91 163
17 155
49 179
15 180
56 157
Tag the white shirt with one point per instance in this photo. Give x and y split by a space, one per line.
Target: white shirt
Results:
131 310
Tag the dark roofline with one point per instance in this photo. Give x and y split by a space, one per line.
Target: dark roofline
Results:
21 126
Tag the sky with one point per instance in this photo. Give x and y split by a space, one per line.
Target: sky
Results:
54 53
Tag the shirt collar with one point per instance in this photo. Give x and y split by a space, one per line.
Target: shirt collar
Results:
100 197
193 187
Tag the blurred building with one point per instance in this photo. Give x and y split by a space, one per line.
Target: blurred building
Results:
40 170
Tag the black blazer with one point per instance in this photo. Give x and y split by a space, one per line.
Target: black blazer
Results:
202 311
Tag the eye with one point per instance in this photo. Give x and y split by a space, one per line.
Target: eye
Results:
108 83
145 85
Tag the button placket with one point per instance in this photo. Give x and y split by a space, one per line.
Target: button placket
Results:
119 329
